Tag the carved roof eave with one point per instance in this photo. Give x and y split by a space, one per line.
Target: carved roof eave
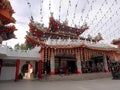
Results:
43 45
72 36
10 28
7 5
116 41
93 40
46 31
66 26
6 18
14 36
82 46
33 41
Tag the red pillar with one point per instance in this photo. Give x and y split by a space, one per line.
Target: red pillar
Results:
40 69
79 72
17 69
106 70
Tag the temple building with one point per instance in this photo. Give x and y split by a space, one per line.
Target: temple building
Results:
63 50
54 50
6 30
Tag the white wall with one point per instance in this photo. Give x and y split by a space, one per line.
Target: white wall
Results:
8 73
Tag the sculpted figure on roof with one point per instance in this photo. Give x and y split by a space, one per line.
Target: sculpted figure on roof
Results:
98 37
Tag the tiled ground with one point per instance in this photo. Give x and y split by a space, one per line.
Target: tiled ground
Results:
98 84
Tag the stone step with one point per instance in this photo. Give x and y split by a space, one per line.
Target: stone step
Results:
75 77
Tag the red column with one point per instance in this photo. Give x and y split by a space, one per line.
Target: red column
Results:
40 69
17 69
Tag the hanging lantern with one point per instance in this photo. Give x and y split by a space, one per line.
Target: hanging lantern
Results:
46 54
79 50
58 51
86 56
42 54
61 51
87 52
67 51
95 52
81 53
73 51
55 51
78 53
91 53
49 53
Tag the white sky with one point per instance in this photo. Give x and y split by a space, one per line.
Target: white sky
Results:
103 16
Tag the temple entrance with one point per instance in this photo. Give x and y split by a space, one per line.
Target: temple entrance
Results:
71 66
27 71
95 64
65 65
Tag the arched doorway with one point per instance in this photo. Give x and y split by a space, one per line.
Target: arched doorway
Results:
27 71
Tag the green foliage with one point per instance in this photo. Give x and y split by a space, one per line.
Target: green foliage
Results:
20 47
24 46
28 45
17 46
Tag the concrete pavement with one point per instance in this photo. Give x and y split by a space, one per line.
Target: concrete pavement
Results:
98 84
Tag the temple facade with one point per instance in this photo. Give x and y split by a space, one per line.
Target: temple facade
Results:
64 51
58 49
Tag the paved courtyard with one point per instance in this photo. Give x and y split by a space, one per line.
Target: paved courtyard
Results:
98 84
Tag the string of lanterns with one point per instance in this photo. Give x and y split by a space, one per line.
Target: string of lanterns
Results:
69 5
41 18
104 16
109 19
29 5
60 9
50 6
97 13
97 23
74 14
100 22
